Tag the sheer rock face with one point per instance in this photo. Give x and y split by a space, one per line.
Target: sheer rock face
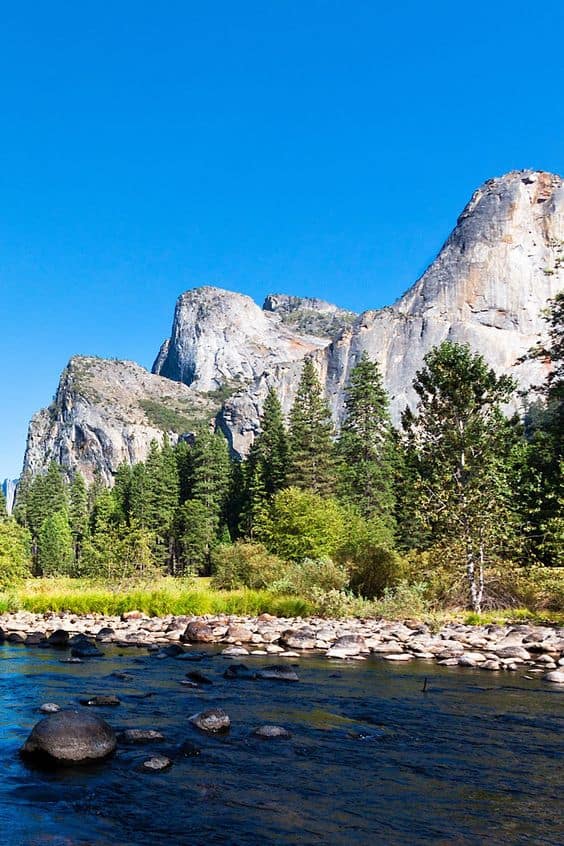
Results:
106 413
222 339
487 287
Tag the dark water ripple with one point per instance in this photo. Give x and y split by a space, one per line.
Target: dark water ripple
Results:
476 759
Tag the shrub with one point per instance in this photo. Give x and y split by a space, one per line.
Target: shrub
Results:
15 554
311 577
303 524
245 564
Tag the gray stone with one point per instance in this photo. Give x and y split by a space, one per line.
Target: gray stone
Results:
272 732
212 721
71 737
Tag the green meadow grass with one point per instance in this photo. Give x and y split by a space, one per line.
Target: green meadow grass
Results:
165 596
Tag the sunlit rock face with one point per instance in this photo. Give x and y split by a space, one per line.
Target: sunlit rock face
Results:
487 287
106 413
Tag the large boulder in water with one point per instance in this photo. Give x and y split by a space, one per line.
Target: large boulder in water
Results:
71 737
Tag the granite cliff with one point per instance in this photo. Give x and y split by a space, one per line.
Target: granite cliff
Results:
487 287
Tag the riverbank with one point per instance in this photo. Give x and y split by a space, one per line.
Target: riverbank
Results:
534 649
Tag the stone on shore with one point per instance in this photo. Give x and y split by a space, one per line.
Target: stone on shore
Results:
70 737
555 676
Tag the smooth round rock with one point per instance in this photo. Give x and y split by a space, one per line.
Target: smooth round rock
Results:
212 721
50 708
71 737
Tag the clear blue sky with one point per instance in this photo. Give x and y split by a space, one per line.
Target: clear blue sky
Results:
291 146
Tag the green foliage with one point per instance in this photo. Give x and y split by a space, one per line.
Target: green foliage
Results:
196 531
245 564
166 418
365 446
312 577
55 545
311 451
3 509
301 524
15 553
458 444
115 552
211 472
78 513
46 495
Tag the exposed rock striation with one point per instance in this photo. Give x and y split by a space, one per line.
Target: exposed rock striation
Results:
487 287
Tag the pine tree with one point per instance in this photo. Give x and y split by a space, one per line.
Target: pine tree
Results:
162 494
138 505
458 438
211 474
20 510
78 513
266 468
365 446
122 491
3 508
55 545
310 446
47 495
271 445
196 530
184 454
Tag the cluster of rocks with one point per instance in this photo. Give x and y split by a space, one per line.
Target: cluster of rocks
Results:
70 737
537 649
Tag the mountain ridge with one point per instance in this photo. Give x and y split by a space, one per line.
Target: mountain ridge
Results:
487 287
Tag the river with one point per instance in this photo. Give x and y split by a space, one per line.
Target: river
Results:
373 759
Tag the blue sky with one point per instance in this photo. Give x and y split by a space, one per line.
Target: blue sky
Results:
298 146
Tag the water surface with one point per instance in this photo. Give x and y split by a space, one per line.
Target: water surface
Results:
475 759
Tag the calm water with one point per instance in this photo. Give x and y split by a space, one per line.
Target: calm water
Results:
476 759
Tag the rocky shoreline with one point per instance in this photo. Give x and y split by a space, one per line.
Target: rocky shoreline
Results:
536 650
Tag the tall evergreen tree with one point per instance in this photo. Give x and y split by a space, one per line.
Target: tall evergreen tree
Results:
458 437
266 468
184 454
55 545
365 445
78 513
3 508
48 494
162 493
540 481
310 445
211 473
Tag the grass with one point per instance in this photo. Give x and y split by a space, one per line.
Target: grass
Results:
166 596
196 597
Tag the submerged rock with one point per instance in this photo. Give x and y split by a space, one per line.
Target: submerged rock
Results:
278 672
141 736
49 708
101 701
240 671
272 732
71 737
156 764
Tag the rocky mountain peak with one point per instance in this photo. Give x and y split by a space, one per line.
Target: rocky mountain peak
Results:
487 287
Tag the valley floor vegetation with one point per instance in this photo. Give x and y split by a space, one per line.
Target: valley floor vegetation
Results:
459 508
